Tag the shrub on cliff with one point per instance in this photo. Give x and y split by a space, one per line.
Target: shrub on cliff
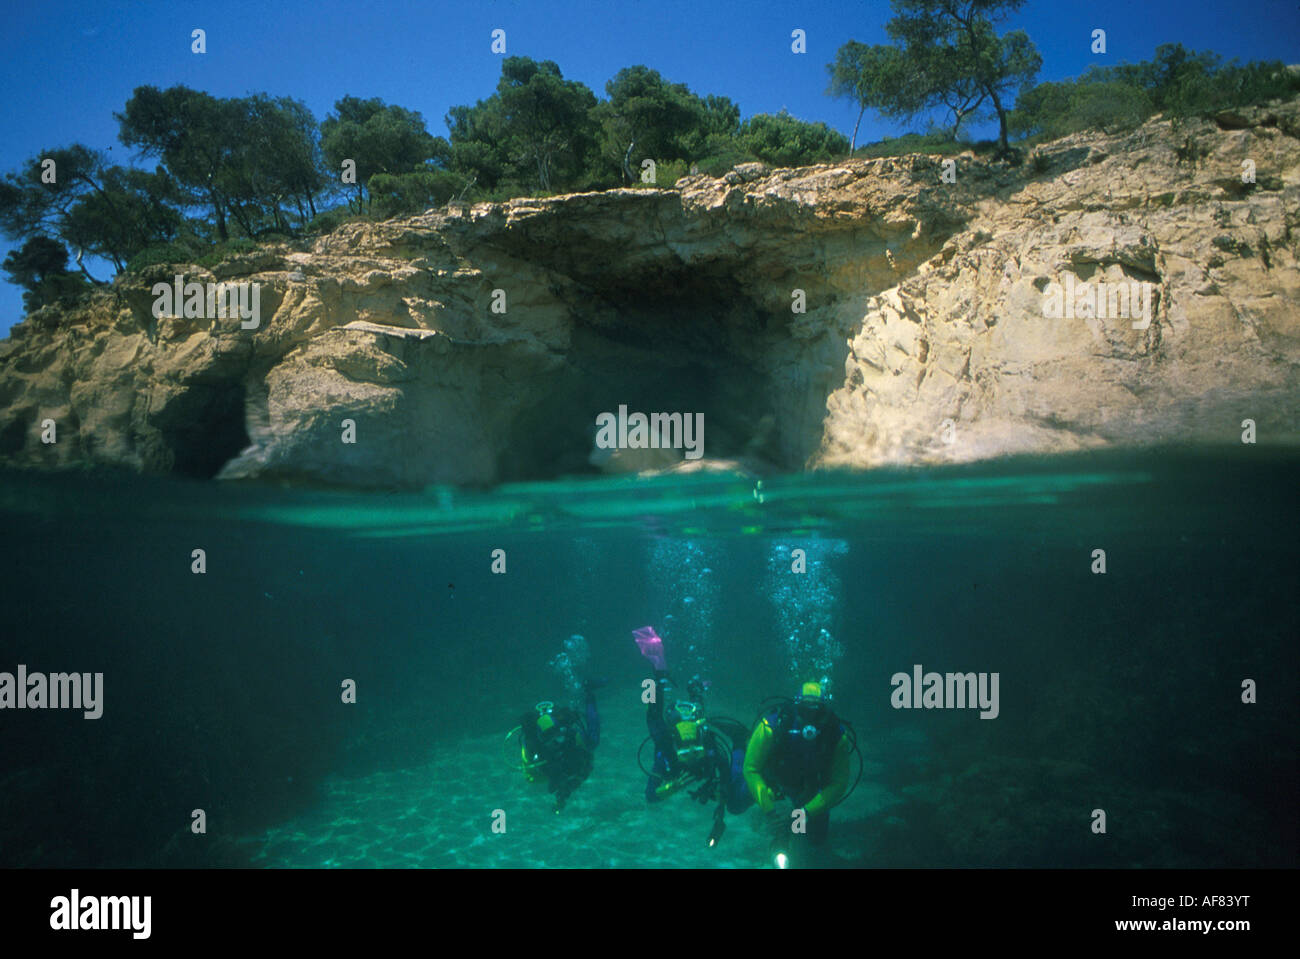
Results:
331 220
1176 82
1058 109
161 253
933 141
668 173
228 249
193 251
783 140
40 267
1233 85
407 193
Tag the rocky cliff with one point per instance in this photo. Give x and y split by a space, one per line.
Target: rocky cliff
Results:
849 315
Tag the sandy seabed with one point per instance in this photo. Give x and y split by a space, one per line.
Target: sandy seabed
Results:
440 815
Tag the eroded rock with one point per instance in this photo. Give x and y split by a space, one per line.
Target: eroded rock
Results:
478 343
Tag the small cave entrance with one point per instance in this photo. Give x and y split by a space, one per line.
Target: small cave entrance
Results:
204 429
690 341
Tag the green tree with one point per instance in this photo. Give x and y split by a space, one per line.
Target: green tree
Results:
1176 81
783 140
1174 73
956 59
546 119
380 139
194 135
281 158
1183 82
132 209
721 118
477 140
873 77
648 117
395 194
252 160
92 207
40 267
537 126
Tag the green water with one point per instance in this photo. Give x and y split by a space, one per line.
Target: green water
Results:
1119 691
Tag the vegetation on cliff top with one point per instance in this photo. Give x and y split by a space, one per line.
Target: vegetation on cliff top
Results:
232 171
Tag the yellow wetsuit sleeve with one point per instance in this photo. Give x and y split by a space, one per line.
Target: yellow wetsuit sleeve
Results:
760 744
834 790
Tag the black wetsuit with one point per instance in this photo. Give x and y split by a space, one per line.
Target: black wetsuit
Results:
715 767
567 749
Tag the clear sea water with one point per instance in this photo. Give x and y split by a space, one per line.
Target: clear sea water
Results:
1119 691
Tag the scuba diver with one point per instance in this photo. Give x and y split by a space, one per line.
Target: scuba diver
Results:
557 744
692 752
801 751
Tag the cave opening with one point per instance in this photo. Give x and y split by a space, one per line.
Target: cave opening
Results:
688 341
204 428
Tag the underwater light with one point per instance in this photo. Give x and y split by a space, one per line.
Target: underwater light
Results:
781 861
719 827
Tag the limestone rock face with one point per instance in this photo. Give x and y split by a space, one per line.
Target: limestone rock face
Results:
847 315
960 362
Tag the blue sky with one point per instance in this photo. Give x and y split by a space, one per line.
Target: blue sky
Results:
69 66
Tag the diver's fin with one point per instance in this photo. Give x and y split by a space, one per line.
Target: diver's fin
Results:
652 647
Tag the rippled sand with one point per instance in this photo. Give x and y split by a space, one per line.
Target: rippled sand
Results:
440 814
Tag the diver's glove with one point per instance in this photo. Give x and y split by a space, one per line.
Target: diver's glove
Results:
765 796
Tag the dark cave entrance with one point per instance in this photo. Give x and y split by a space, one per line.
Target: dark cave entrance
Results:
664 341
204 429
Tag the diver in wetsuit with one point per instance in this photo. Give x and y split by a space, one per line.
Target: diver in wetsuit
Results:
558 745
692 751
801 751
689 752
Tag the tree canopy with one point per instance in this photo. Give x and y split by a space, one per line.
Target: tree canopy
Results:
537 128
40 267
957 58
230 170
382 140
1175 81
254 160
74 195
646 117
782 140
